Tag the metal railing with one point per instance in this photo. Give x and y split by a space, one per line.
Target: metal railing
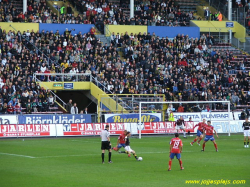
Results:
244 46
100 85
62 77
56 97
130 102
220 35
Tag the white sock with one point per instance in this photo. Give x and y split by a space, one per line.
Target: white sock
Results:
184 133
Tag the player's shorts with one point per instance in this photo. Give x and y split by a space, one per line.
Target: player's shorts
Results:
199 133
178 127
178 155
121 145
105 145
209 137
128 148
246 132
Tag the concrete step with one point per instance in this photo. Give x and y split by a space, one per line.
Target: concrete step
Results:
103 39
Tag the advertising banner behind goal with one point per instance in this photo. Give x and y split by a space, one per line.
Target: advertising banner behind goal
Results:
198 116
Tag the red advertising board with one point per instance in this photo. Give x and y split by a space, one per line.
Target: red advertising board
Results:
24 130
117 128
164 127
78 129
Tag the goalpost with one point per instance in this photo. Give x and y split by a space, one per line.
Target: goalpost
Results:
194 103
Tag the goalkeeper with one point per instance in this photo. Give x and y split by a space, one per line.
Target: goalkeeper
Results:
180 124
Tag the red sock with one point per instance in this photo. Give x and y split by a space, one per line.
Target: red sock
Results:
169 164
203 146
195 140
200 139
180 162
215 145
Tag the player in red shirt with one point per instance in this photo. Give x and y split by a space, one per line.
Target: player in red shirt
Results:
121 141
209 130
175 150
200 130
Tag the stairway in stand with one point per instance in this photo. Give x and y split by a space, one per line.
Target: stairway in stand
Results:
103 39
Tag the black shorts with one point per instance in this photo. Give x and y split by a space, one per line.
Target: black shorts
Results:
105 145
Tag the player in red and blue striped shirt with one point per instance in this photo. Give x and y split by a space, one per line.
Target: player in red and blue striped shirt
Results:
209 130
200 129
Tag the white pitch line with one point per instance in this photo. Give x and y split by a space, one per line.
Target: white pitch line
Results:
57 156
26 156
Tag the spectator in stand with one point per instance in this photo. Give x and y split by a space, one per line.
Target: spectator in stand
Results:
220 16
92 32
51 100
68 106
180 108
74 109
207 14
86 110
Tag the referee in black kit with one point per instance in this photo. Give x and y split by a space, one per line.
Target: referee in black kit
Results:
106 145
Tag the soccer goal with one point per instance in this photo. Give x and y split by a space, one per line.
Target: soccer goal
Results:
215 111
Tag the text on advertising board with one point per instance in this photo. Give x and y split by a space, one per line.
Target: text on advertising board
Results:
52 119
132 118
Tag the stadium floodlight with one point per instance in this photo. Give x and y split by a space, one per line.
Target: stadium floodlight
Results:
145 104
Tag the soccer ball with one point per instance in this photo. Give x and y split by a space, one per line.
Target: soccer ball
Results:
139 159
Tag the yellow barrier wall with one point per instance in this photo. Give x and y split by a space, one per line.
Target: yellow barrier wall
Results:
76 85
220 26
240 32
20 26
130 28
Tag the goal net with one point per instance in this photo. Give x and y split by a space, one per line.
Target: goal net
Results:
192 112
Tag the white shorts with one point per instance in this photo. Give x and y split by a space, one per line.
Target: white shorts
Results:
128 148
178 127
246 132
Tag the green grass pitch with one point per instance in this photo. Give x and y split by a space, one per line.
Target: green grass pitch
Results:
76 162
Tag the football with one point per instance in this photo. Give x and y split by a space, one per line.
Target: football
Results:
139 159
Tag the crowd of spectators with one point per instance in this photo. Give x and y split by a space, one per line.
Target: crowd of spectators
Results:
101 12
182 68
151 13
